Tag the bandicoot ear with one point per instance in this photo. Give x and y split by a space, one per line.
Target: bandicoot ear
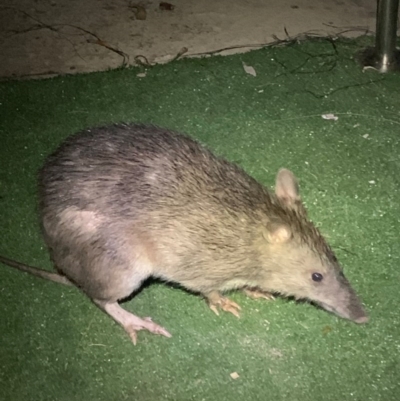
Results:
286 187
276 233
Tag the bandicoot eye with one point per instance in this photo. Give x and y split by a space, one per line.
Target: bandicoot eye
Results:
317 277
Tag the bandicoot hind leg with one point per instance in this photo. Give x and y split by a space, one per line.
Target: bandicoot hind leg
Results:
130 322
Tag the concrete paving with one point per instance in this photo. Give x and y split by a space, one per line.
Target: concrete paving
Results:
51 37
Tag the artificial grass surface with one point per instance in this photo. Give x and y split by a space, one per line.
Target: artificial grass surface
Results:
56 345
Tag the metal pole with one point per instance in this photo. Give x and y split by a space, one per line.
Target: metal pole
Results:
384 56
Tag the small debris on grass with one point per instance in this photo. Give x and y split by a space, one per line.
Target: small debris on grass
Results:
234 375
276 353
141 74
369 67
329 116
365 136
164 6
371 182
249 69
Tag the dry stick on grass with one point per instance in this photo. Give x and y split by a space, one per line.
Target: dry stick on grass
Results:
309 35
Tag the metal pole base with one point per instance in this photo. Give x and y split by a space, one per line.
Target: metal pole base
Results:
371 57
385 56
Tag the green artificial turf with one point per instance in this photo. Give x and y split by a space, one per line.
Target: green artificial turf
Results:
56 345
